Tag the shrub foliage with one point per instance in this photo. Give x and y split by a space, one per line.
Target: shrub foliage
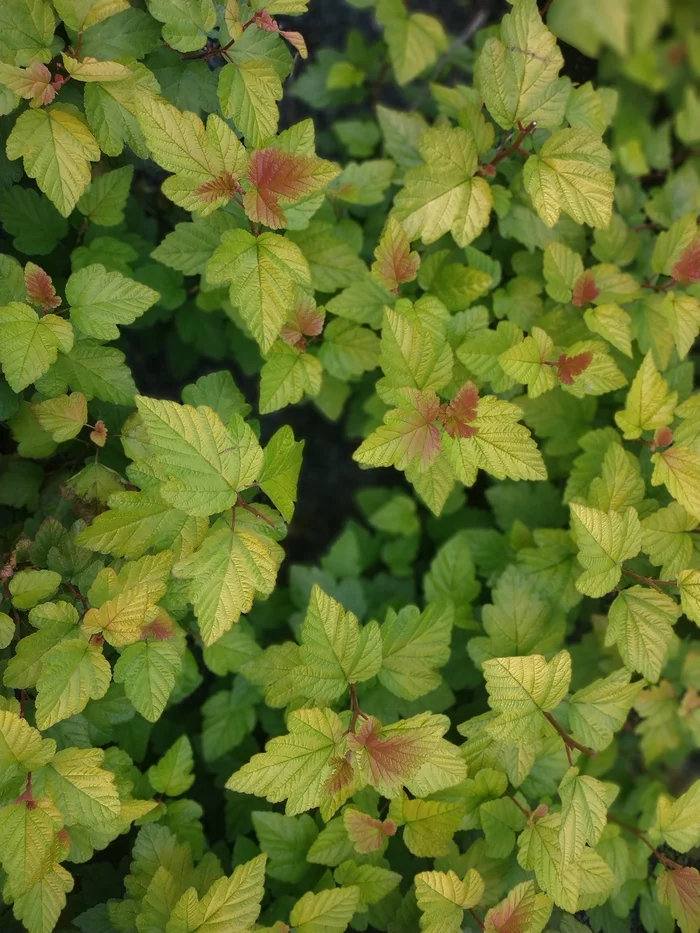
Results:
472 710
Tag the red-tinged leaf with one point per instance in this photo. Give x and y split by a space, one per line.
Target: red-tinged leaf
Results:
275 174
679 889
585 290
388 760
34 83
687 269
162 628
39 285
395 262
98 435
342 775
457 415
297 40
663 437
225 186
568 367
305 321
521 911
367 833
263 20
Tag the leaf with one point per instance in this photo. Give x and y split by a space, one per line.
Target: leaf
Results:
408 436
373 882
394 263
249 92
562 270
279 475
605 540
39 288
366 833
72 673
457 418
520 690
90 69
227 571
63 416
33 83
201 463
100 300
279 178
613 323
96 371
30 344
329 911
517 75
528 362
414 644
27 32
185 24
568 367
689 586
29 837
500 446
411 753
571 173
294 767
585 802
414 40
441 196
219 392
679 889
231 904
597 711
500 820
666 540
57 148
335 651
521 911
443 897
148 669
678 468
286 841
85 792
29 587
172 774
286 376
641 623
40 907
263 273
649 403
22 749
679 821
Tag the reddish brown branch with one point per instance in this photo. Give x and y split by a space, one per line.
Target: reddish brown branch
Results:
640 834
568 740
242 504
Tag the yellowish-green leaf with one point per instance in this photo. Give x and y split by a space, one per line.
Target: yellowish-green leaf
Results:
62 416
29 344
678 468
649 403
72 673
605 540
641 624
329 911
249 91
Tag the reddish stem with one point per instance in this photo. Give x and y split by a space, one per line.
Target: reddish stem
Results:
503 153
640 834
476 918
355 708
77 595
648 581
568 740
251 508
527 813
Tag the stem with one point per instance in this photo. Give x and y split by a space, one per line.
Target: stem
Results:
640 834
515 145
355 708
527 813
568 740
76 595
658 288
648 581
545 8
476 918
251 508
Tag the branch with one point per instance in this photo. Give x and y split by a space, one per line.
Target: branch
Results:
648 581
242 504
527 813
640 834
476 918
76 595
568 740
503 153
355 708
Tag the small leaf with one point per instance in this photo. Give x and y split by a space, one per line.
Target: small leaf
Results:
30 344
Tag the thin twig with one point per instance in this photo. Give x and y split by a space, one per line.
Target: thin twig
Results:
515 146
77 595
520 807
648 581
640 834
476 918
569 741
242 504
355 708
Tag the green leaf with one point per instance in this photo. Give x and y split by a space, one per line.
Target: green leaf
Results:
429 825
63 416
27 30
286 841
85 792
414 39
605 540
263 273
249 92
678 468
72 673
571 173
520 690
597 711
679 820
202 464
100 300
219 392
409 436
29 344
517 75
227 571
22 749
585 803
185 24
60 133
172 774
689 586
443 897
641 623
29 837
414 643
335 651
294 767
279 475
666 540
442 196
231 904
148 669
96 371
649 405
373 881
329 911
29 587
287 375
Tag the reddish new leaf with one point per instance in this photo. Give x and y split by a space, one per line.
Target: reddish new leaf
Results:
297 40
663 437
388 761
162 628
39 285
395 263
522 911
568 367
342 775
585 290
98 435
225 186
457 416
687 269
305 321
367 833
679 889
275 174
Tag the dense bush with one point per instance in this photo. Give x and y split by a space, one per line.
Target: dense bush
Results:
412 705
